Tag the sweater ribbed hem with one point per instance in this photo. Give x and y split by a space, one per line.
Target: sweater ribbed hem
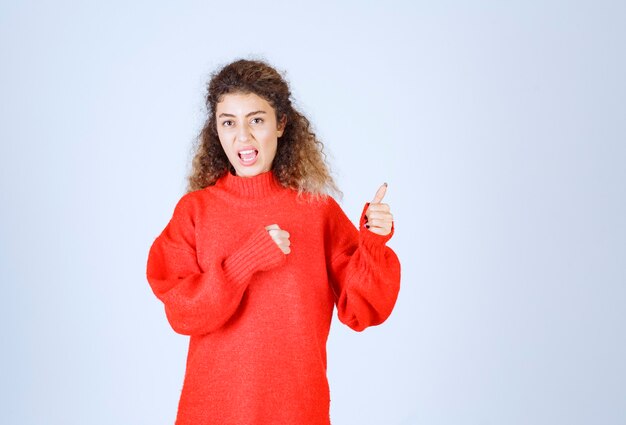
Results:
258 253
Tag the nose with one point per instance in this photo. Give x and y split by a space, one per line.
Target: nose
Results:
243 133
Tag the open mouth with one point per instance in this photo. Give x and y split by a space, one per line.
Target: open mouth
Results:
248 156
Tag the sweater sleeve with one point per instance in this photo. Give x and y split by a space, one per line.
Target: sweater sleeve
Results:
198 301
363 271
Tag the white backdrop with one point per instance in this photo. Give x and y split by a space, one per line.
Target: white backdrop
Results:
500 128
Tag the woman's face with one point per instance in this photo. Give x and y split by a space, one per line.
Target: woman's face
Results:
248 132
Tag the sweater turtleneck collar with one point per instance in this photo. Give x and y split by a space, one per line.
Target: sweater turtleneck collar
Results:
257 187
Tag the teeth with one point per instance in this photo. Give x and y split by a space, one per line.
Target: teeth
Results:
246 152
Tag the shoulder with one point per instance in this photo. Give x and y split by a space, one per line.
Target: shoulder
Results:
188 200
193 202
322 203
331 207
327 209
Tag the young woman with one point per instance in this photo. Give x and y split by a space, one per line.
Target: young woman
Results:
256 256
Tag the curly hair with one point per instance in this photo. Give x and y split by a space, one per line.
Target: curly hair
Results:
300 159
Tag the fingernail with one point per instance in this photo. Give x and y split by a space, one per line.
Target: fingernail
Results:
385 184
367 226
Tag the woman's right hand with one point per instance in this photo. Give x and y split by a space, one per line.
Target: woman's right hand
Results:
280 236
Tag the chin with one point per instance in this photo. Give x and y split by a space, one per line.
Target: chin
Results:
250 172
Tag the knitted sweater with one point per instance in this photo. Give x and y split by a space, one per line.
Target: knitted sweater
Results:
259 319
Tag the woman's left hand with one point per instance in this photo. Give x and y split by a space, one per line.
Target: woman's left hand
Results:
378 217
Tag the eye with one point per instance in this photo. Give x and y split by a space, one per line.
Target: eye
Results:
257 120
228 123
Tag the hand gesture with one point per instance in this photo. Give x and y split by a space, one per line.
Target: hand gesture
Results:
281 237
378 217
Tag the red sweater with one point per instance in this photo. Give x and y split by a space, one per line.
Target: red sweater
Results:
259 319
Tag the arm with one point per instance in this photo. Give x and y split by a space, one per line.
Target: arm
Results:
200 301
363 271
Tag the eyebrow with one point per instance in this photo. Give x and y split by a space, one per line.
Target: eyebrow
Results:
224 114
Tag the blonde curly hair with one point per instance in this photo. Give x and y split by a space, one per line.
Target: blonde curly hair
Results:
300 159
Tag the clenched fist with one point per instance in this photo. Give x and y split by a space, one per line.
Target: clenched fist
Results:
280 236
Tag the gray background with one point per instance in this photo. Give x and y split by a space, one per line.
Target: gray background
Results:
499 127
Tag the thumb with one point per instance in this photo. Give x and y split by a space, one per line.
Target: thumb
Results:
380 194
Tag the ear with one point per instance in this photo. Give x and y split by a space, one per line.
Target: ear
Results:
282 123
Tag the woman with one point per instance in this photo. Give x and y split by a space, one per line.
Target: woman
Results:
256 256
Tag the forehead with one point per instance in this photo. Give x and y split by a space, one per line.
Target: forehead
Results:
242 103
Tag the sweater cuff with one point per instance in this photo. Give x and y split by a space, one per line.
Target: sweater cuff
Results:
258 253
369 239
